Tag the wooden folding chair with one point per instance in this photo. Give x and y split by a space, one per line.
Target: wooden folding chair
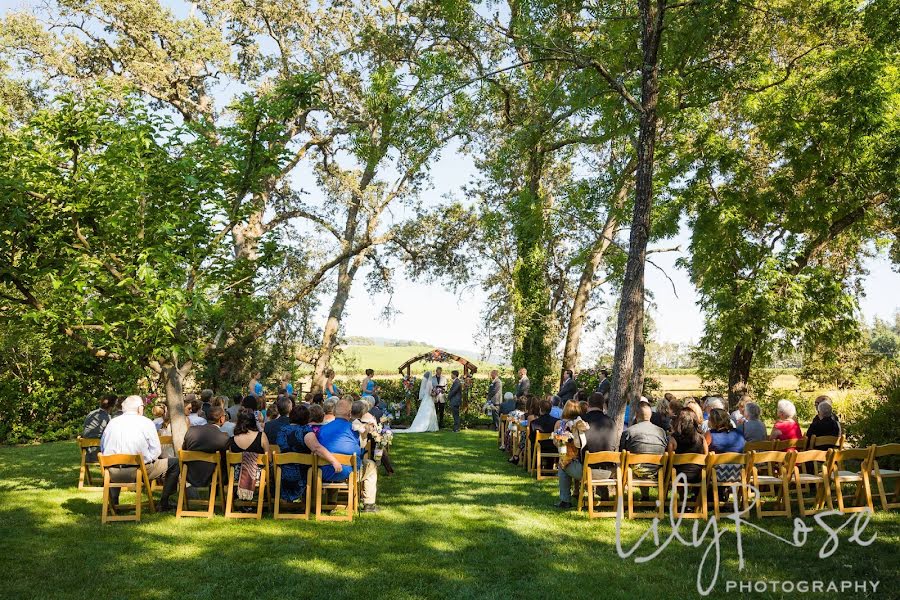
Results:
840 475
540 458
827 442
348 486
881 474
293 458
779 463
795 445
805 465
631 483
676 460
85 481
501 431
140 485
216 486
529 459
515 432
738 486
232 460
589 484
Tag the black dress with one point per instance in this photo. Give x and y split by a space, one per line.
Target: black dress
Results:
691 472
256 446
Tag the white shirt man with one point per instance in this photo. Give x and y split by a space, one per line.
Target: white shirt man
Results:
133 433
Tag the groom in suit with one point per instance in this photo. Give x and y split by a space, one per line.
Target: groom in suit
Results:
454 398
438 385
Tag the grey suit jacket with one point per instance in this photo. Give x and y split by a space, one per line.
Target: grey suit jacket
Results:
495 392
454 394
523 387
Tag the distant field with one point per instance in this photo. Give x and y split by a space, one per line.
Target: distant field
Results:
685 383
385 360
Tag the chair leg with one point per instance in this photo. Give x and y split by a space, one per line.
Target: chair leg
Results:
182 495
630 492
105 508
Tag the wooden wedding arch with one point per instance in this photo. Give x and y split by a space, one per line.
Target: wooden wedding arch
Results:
438 355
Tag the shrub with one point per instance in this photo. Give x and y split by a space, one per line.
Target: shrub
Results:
874 418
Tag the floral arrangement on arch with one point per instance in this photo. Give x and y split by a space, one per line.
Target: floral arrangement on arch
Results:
439 356
409 384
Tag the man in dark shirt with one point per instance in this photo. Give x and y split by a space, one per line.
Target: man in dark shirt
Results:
95 422
205 438
601 437
824 424
284 406
206 402
545 423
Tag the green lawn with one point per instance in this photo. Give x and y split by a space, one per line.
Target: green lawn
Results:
457 522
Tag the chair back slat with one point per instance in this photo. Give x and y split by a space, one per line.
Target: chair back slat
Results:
235 458
687 459
120 460
887 450
540 437
294 458
88 442
632 459
595 458
771 456
195 456
761 446
835 441
807 456
726 458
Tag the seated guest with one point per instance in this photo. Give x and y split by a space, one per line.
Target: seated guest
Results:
316 417
509 403
545 423
556 407
723 437
318 398
834 416
712 403
687 439
660 416
96 421
205 438
694 407
298 436
328 406
193 410
206 397
786 426
737 415
252 403
133 433
251 442
283 406
752 427
377 410
824 424
600 437
232 411
160 419
644 438
339 438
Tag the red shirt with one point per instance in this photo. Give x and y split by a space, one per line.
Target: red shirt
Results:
789 430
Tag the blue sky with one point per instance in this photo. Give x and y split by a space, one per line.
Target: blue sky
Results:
434 314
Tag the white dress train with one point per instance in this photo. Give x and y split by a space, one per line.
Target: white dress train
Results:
426 417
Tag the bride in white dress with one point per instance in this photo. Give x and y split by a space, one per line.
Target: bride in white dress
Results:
426 417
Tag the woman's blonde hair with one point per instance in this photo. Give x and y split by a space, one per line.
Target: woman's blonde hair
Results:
571 410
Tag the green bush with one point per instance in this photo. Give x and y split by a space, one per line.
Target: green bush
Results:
874 418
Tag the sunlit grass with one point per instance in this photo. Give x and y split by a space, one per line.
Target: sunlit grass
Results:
457 521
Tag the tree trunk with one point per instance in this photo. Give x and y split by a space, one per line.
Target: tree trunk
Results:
346 273
739 374
174 377
628 376
531 289
587 283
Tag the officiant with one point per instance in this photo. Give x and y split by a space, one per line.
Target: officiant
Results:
438 389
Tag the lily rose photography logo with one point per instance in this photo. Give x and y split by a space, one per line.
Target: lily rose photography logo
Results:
713 534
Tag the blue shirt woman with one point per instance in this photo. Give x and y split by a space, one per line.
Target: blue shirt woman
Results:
293 476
